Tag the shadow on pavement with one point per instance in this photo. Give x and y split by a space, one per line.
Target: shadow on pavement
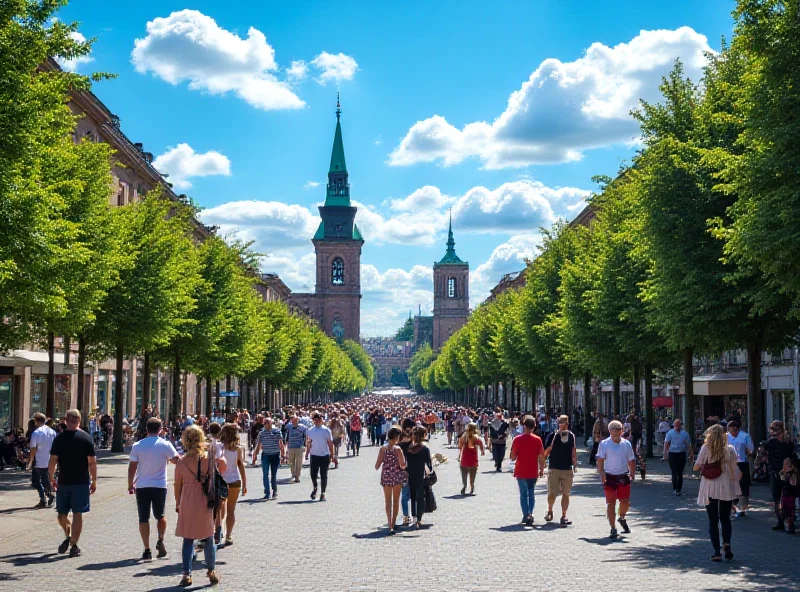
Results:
108 565
510 528
297 502
604 541
25 559
375 534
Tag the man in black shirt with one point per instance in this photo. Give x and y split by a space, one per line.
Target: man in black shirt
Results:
562 452
73 453
498 433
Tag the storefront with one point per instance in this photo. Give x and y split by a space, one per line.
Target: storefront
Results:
6 396
63 394
722 395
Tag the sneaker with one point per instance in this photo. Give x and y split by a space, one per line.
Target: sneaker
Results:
266 496
790 529
613 534
624 524
274 495
314 494
74 551
678 493
50 501
62 548
529 520
40 505
162 550
778 526
322 498
147 555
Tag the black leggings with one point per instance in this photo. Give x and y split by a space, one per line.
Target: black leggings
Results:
355 440
677 462
319 466
417 498
719 511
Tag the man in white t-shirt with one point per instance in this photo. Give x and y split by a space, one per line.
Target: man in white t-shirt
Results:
616 464
319 447
41 443
147 477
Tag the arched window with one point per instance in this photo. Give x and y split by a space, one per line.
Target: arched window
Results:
338 328
451 287
337 272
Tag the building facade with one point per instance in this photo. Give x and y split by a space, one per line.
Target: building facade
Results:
450 294
336 302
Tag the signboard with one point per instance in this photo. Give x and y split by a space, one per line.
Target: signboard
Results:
229 393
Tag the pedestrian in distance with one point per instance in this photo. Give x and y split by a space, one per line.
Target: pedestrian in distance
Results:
392 463
616 464
743 444
41 442
527 453
296 436
778 447
468 446
270 443
418 459
356 429
147 479
677 449
498 433
234 475
73 454
719 487
790 477
562 453
319 449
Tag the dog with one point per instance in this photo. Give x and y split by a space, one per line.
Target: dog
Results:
439 458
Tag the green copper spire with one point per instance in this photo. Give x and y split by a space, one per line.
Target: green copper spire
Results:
338 193
450 257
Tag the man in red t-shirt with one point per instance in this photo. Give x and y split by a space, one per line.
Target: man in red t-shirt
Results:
527 451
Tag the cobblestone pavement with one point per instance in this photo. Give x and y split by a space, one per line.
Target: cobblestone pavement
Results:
472 543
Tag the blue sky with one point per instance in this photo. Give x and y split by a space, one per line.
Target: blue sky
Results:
502 111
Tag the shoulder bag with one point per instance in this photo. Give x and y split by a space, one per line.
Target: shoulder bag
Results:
711 470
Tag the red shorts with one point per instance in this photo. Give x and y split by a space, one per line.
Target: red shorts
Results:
617 493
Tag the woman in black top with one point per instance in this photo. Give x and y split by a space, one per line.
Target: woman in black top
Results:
418 457
405 441
778 447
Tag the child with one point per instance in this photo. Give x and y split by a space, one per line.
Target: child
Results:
790 475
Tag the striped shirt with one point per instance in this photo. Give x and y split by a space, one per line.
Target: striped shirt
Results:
297 435
270 441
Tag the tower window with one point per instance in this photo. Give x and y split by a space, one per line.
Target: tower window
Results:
337 272
338 328
451 287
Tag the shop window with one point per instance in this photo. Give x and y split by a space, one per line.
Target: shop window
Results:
6 401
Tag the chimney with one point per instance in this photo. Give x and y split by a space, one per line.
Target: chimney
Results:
139 146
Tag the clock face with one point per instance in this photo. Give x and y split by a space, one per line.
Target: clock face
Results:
337 226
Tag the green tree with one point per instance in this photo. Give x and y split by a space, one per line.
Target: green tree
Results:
406 332
360 359
419 363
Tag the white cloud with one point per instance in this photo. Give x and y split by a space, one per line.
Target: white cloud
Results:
73 64
190 46
336 67
506 258
311 185
182 163
297 72
424 198
418 228
563 108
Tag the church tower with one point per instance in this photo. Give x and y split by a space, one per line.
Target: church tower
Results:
337 244
450 293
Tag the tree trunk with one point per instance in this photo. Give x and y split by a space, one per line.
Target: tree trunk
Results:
637 391
145 383
119 402
209 392
587 404
50 401
519 397
513 395
566 387
755 401
650 420
617 396
688 389
216 384
176 386
83 400
548 395
228 398
198 396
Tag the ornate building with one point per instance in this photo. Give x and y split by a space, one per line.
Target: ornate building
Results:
336 303
450 293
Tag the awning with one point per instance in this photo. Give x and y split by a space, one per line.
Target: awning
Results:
662 401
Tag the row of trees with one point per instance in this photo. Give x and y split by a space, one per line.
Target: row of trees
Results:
141 280
693 249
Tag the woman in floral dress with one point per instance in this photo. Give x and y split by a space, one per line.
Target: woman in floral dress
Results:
392 463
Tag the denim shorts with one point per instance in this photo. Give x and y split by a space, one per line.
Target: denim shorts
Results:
72 498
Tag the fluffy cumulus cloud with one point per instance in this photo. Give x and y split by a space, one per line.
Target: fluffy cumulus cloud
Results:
564 108
73 64
334 67
183 163
509 257
425 198
391 295
297 72
189 46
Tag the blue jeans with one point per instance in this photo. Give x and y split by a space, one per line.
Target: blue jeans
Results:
41 482
269 467
209 550
526 500
405 499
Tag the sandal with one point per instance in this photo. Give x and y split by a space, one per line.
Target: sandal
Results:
549 516
228 540
213 577
406 520
185 582
716 558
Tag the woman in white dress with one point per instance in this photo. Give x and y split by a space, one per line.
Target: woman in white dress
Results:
719 486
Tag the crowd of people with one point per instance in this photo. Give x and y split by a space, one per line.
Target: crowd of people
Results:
210 459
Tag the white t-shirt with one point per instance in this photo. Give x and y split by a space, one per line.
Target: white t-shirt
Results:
663 427
152 454
43 438
319 436
616 456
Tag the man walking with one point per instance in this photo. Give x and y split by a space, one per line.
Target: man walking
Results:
743 444
562 451
527 453
599 433
677 445
270 443
616 464
498 432
147 478
319 447
74 455
41 443
296 436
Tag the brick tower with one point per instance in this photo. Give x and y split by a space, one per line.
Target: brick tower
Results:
450 293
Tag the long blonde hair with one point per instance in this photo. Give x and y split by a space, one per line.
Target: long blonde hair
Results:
716 442
470 434
194 441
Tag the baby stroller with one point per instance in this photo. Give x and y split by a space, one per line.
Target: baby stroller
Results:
641 463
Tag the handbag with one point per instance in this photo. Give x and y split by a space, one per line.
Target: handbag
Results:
430 500
711 470
431 479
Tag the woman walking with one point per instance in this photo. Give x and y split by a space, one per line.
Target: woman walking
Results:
419 457
355 432
405 494
779 447
195 517
468 456
719 486
392 463
234 475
